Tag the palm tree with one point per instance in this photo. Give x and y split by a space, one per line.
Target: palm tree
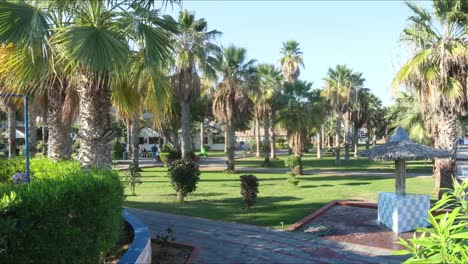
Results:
292 60
375 118
91 45
231 104
438 72
337 90
193 47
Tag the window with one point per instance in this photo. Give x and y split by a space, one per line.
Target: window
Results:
141 140
205 140
153 140
218 140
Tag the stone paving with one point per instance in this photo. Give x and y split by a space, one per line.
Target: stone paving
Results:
224 242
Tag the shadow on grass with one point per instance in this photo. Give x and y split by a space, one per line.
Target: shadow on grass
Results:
315 186
355 183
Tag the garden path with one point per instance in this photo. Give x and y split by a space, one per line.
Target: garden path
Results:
224 242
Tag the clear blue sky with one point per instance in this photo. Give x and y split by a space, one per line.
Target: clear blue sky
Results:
361 34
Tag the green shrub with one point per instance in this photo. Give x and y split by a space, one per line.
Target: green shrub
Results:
8 167
74 218
446 241
117 149
294 163
164 156
281 143
253 145
184 177
249 189
293 180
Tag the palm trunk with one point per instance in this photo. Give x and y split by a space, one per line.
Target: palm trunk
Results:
33 114
257 136
346 134
266 139
230 146
136 139
444 168
226 141
273 136
45 132
96 133
322 136
319 146
185 127
356 141
11 115
368 138
374 137
59 139
128 122
202 134
337 141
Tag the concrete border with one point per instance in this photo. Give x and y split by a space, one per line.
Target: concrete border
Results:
140 249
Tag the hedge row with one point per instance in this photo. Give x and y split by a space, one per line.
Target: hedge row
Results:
65 215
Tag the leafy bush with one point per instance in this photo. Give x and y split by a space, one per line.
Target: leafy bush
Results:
133 177
294 163
73 218
447 240
164 156
249 189
281 143
184 177
293 180
8 167
117 150
253 145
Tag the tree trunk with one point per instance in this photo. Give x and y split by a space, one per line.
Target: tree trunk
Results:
96 133
319 146
356 141
33 114
230 146
180 197
11 115
257 136
202 134
266 139
273 136
186 145
374 137
322 136
337 140
226 141
136 139
346 134
128 122
444 168
59 138
367 138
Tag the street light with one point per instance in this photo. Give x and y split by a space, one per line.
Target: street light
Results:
26 129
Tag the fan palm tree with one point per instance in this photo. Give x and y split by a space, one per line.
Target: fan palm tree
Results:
438 72
375 118
193 48
338 86
92 45
292 60
231 104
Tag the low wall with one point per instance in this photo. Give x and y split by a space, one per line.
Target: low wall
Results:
140 249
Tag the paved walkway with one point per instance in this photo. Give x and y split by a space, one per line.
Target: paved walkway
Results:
226 243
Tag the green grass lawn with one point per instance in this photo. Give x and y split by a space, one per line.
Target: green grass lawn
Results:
213 153
218 195
311 162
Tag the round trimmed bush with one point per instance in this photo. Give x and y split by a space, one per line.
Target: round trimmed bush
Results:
184 177
294 163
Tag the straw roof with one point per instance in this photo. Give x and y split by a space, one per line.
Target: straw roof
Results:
400 147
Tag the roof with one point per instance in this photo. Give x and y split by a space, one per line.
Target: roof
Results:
400 147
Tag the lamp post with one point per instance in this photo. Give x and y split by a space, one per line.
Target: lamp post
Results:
26 129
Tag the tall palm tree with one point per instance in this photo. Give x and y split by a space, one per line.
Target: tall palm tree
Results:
92 45
375 118
292 60
437 73
231 104
193 48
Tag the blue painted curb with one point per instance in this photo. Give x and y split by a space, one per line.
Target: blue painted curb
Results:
140 239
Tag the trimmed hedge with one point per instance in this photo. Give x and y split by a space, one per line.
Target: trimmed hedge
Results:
71 216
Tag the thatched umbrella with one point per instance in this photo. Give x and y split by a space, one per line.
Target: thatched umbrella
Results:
400 148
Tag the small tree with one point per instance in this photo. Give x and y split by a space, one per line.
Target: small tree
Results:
184 176
164 156
249 189
294 163
133 177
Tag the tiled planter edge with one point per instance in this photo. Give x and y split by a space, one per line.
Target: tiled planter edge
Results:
140 249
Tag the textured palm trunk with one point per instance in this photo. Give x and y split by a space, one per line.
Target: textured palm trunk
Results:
374 137
33 114
337 140
266 139
356 141
202 134
346 135
444 168
128 123
257 136
59 142
226 141
273 136
96 133
230 146
368 138
136 139
186 145
11 116
322 136
319 146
